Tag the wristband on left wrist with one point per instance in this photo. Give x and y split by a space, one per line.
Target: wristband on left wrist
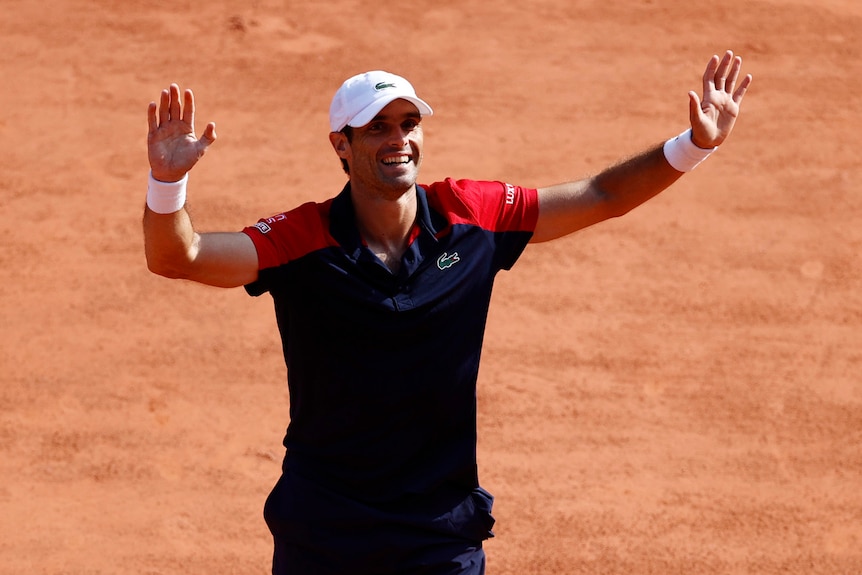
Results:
683 154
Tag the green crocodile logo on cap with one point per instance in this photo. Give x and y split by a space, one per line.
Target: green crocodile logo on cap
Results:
383 86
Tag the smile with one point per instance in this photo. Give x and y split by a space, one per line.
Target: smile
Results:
395 160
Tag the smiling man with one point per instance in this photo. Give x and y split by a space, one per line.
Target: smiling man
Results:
381 295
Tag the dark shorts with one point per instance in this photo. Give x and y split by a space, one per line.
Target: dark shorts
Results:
449 559
319 532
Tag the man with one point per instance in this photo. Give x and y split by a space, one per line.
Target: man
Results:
381 295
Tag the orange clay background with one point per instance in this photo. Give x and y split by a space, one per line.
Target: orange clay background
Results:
674 392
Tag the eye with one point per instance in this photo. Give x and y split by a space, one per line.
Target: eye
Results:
410 125
375 126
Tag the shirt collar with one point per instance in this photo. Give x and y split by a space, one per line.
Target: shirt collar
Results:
343 227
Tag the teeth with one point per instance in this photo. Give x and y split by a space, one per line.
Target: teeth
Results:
396 160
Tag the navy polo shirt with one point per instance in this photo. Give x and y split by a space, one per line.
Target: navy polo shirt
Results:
382 366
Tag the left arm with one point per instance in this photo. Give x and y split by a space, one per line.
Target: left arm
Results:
569 207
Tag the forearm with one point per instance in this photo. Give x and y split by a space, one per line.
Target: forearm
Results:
174 249
632 182
169 242
172 246
169 237
567 208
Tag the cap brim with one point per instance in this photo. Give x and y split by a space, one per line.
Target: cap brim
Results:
370 111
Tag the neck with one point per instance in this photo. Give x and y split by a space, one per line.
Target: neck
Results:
385 224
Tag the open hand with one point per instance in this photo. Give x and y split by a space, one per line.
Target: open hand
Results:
712 119
172 147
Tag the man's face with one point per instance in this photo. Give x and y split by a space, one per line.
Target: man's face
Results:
384 155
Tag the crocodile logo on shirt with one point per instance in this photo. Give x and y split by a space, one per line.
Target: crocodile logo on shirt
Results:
446 261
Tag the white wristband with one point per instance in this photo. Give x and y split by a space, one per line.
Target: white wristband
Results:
683 154
166 197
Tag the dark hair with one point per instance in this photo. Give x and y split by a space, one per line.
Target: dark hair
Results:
348 132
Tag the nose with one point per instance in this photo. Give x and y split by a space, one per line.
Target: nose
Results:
398 136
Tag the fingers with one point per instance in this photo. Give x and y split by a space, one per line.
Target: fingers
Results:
170 108
723 74
152 119
164 107
174 107
726 75
733 74
694 109
709 75
714 114
742 89
723 70
188 107
209 135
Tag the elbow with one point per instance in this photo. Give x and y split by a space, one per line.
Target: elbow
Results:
162 270
165 268
617 210
610 205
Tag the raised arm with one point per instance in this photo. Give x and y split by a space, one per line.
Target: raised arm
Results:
172 246
566 208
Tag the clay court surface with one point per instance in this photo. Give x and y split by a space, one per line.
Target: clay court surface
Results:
675 392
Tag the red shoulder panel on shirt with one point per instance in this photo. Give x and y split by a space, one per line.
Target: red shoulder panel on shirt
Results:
290 235
494 206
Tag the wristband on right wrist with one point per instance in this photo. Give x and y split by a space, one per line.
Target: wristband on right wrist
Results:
683 154
166 197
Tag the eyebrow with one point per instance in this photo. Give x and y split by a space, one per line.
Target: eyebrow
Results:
408 116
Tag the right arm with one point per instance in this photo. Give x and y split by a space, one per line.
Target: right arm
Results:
172 246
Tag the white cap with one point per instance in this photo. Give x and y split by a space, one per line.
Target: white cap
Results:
361 97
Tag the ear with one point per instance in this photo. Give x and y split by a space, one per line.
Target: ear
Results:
339 143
